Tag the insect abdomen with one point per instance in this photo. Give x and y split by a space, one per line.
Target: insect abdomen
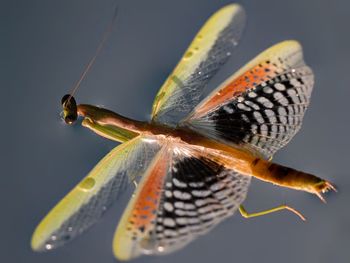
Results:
288 177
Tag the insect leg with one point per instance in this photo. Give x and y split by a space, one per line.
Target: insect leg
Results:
245 214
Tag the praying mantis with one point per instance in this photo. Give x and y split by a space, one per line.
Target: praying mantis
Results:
192 163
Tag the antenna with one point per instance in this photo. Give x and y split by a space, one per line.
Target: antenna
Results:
105 36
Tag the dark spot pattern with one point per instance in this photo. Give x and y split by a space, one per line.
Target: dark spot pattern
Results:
265 117
198 194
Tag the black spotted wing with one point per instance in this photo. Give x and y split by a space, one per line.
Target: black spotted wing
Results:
185 192
261 107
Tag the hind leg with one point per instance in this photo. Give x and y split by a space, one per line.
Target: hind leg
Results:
245 214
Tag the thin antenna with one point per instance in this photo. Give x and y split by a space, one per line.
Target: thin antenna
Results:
105 36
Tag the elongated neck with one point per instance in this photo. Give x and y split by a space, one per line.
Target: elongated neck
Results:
110 124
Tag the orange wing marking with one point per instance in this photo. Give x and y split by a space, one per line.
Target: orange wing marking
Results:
146 205
248 80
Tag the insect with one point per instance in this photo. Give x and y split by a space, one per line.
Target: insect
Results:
193 162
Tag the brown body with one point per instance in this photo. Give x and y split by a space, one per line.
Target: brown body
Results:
104 122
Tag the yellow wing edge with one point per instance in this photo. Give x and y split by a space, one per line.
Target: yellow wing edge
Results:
289 50
78 196
196 52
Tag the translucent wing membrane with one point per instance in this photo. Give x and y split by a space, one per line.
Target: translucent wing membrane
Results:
88 201
209 50
186 191
260 107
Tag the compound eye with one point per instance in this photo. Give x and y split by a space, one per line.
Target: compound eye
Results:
70 111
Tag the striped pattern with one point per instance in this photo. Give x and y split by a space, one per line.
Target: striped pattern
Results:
261 115
194 193
90 199
209 50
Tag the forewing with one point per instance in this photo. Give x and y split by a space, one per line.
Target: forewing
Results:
260 107
209 50
88 201
185 192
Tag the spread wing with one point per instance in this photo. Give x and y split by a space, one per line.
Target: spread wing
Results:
185 192
88 201
209 50
261 107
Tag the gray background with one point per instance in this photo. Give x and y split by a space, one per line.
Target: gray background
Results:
45 45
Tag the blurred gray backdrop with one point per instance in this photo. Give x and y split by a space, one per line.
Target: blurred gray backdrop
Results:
46 44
